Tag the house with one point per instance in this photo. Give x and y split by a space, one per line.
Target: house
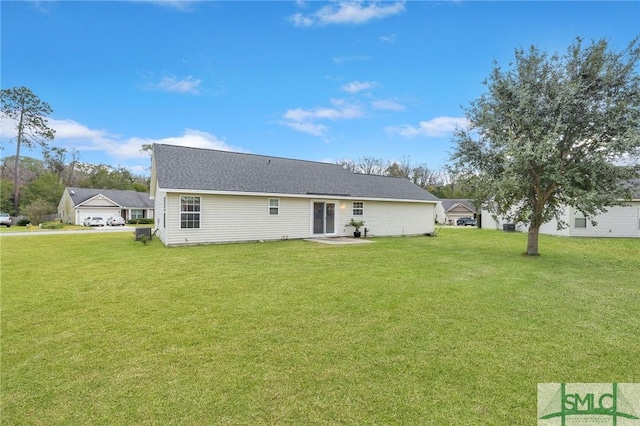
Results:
618 221
453 209
208 196
76 204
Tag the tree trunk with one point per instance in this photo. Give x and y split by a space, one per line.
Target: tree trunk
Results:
532 241
16 178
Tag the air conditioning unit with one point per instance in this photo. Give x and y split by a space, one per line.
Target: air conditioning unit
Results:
143 231
509 227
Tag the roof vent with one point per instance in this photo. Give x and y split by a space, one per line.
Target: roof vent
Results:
72 192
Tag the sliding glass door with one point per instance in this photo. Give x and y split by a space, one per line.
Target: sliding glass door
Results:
324 218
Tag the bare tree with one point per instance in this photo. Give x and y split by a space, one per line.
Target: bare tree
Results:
401 168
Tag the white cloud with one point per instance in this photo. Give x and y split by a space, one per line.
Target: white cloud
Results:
306 127
341 111
387 105
182 5
65 129
305 120
129 148
439 126
69 129
299 20
358 86
112 148
191 138
388 39
339 60
171 84
348 12
74 135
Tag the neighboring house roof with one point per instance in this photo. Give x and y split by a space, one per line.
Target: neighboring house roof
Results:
211 170
450 204
125 199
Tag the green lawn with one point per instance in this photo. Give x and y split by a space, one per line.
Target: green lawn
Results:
454 329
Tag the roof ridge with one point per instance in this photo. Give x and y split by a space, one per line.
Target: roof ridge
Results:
384 176
250 154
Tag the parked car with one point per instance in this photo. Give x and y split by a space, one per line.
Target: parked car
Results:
94 221
5 219
115 221
464 221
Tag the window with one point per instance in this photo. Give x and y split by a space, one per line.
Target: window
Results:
137 214
358 208
274 206
189 212
579 221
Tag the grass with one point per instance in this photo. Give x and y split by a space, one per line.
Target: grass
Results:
456 329
67 227
36 228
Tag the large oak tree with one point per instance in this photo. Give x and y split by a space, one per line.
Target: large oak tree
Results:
555 132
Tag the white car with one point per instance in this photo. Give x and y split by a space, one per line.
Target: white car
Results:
115 221
93 221
5 219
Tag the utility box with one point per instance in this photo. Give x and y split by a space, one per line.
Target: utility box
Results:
143 232
509 227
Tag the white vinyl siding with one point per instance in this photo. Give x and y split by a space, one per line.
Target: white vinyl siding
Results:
160 205
229 218
618 221
388 218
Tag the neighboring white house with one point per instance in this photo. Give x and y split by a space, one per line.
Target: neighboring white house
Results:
618 221
450 210
208 196
76 204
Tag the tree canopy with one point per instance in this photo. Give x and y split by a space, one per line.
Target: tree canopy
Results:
552 132
29 112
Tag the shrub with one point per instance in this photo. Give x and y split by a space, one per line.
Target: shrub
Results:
145 221
24 222
52 225
38 209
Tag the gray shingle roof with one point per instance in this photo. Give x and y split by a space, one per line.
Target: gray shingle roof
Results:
448 203
210 170
128 199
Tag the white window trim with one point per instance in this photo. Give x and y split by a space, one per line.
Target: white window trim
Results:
577 215
181 212
277 206
354 208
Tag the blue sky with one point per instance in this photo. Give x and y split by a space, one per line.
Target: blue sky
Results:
313 80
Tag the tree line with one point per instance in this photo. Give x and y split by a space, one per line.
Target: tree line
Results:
442 182
34 187
42 182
